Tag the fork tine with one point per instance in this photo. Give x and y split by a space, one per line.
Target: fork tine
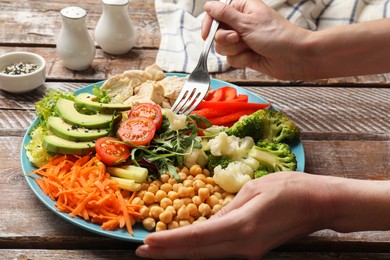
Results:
177 105
194 102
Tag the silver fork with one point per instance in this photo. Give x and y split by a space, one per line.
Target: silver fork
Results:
198 83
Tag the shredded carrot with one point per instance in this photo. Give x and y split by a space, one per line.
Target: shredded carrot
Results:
82 187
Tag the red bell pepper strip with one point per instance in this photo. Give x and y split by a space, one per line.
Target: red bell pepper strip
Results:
230 93
230 119
232 105
215 95
240 98
211 112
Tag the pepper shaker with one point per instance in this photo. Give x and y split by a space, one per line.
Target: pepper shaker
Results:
74 44
115 32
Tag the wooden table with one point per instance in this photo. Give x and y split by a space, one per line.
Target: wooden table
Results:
344 122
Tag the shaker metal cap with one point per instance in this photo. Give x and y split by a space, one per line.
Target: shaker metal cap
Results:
73 12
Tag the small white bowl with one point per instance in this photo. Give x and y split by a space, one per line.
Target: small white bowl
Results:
23 82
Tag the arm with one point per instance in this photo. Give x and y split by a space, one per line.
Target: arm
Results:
274 209
257 37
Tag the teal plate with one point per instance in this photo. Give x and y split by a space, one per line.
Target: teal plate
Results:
139 232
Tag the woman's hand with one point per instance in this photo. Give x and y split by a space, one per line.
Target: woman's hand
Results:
254 35
265 213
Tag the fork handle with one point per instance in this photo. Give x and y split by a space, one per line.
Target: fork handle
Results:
209 40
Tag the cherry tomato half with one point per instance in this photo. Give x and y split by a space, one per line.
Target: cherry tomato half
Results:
111 151
137 130
148 110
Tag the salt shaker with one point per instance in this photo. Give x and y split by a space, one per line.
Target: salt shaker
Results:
74 44
115 32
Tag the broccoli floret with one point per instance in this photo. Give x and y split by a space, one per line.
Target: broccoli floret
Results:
274 156
251 125
221 160
266 124
261 171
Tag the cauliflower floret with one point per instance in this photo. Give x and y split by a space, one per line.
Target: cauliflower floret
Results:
176 122
232 146
197 156
252 162
233 177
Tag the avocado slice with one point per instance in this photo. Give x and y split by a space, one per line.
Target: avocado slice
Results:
55 144
88 101
71 132
66 110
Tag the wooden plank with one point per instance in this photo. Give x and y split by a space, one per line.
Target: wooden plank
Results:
129 254
106 65
40 23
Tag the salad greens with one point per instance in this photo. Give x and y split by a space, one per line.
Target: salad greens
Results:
168 147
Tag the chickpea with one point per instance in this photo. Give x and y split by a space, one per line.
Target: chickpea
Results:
195 170
185 170
197 184
144 211
183 192
172 181
182 176
166 217
173 195
144 186
153 188
210 180
204 210
149 197
172 210
183 223
191 192
212 201
161 226
193 210
137 201
187 183
177 186
173 224
149 223
141 193
155 211
216 208
196 200
217 188
190 177
210 187
191 219
164 178
157 183
218 195
160 194
203 193
166 187
206 172
200 177
165 202
187 200
177 204
183 213
226 200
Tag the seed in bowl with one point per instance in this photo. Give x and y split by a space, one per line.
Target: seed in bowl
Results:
20 68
